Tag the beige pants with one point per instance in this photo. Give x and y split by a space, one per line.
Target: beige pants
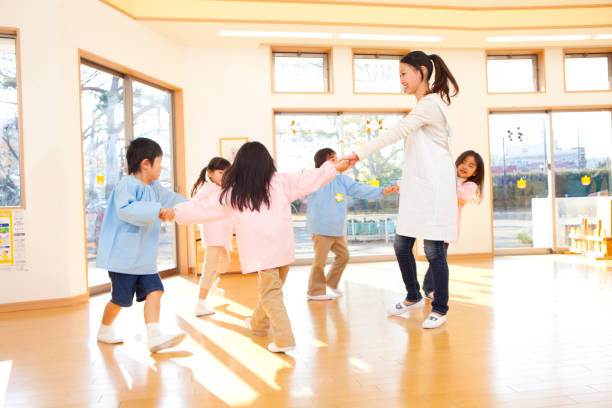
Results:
216 259
322 245
270 311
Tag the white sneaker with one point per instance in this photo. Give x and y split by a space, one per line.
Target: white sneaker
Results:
401 308
433 321
164 341
203 310
272 347
336 291
216 287
327 296
247 324
108 336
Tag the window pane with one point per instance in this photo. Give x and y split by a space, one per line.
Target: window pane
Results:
511 75
103 152
305 73
371 223
583 147
377 74
587 74
520 180
152 119
10 170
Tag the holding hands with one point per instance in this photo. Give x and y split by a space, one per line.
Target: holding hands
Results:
166 214
352 159
342 165
390 189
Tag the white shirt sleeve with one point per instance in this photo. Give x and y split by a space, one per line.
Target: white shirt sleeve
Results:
425 112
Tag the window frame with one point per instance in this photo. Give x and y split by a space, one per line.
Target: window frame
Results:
539 72
588 53
9 32
326 53
375 53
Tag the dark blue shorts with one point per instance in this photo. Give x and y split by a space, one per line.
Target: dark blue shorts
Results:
124 285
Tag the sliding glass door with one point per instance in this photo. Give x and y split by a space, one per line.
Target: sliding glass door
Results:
115 109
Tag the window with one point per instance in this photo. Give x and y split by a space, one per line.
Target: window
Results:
588 71
10 144
370 223
376 73
301 72
509 72
116 108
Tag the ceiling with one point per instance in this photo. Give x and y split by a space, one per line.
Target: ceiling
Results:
465 23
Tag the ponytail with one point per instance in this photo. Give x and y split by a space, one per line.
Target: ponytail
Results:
433 62
216 163
442 78
199 182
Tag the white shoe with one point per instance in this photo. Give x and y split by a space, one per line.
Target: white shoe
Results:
433 321
164 341
401 308
323 297
216 287
336 291
108 336
203 310
430 295
272 347
247 324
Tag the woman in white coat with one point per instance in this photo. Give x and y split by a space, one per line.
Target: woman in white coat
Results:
428 196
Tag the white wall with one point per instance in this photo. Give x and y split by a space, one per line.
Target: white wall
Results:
51 33
226 94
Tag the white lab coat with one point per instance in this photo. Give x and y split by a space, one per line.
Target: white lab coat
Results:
428 190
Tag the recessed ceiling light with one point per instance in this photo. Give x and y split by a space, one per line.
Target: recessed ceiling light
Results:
274 34
603 37
540 38
387 37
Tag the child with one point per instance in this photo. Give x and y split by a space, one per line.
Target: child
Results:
326 220
428 200
129 239
216 236
260 199
470 178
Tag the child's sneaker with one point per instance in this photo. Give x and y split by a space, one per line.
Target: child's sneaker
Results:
203 310
216 287
327 296
336 291
164 341
272 347
433 321
401 308
106 334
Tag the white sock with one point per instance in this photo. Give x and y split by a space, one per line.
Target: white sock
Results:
106 329
201 302
153 330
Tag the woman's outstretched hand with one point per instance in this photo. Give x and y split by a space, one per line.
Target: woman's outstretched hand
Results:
352 159
342 165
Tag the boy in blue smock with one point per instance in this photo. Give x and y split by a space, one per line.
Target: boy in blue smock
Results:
128 243
326 221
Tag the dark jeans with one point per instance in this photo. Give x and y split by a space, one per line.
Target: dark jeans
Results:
436 255
428 282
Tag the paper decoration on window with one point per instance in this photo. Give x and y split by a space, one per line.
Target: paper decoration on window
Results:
100 179
585 180
375 183
521 183
369 130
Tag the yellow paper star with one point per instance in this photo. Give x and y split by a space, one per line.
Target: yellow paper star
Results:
339 197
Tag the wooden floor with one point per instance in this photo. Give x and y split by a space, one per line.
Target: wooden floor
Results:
532 331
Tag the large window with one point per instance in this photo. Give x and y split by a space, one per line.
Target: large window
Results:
10 144
588 71
376 73
117 108
370 223
301 71
507 73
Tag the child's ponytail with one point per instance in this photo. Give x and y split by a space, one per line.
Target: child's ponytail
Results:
442 78
199 182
